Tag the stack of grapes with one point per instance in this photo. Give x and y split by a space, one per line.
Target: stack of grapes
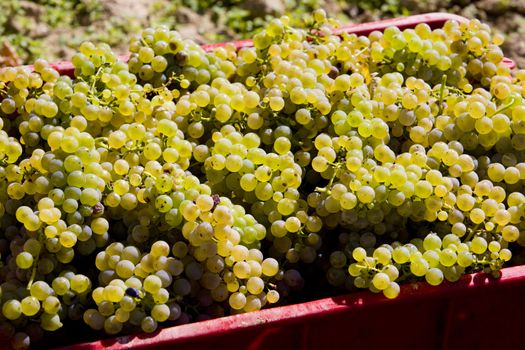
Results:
184 185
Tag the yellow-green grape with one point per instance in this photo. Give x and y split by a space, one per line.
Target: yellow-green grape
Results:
381 281
113 293
51 305
270 267
510 233
24 260
432 241
434 276
50 322
400 255
478 245
40 290
382 255
30 306
79 283
12 309
117 139
392 291
160 313
152 284
365 194
447 257
419 267
237 301
359 254
272 296
61 285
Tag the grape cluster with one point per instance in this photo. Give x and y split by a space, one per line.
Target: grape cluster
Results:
432 258
133 288
187 184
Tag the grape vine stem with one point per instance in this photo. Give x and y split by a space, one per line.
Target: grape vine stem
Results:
442 93
35 262
337 166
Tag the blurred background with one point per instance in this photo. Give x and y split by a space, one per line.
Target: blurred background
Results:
53 29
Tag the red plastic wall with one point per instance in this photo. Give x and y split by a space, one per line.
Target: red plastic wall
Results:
475 313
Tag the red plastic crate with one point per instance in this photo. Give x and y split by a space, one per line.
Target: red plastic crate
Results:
477 312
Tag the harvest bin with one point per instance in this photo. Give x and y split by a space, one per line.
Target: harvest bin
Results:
477 312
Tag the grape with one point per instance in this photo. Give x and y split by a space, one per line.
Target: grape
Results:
382 255
152 284
381 281
419 267
51 305
270 267
392 291
40 290
237 301
12 309
30 306
112 325
434 276
20 341
24 260
478 245
61 285
160 313
79 283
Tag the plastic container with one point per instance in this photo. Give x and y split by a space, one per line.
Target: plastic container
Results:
477 312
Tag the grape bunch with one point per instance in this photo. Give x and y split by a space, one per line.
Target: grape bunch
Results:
187 184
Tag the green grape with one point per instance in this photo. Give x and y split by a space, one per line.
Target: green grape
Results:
51 305
237 301
478 245
12 309
419 267
381 281
50 322
392 291
434 276
79 283
24 260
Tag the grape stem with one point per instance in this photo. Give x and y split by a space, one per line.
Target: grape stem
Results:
144 42
505 107
442 93
369 268
301 233
150 175
102 142
35 262
327 187
471 233
95 80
